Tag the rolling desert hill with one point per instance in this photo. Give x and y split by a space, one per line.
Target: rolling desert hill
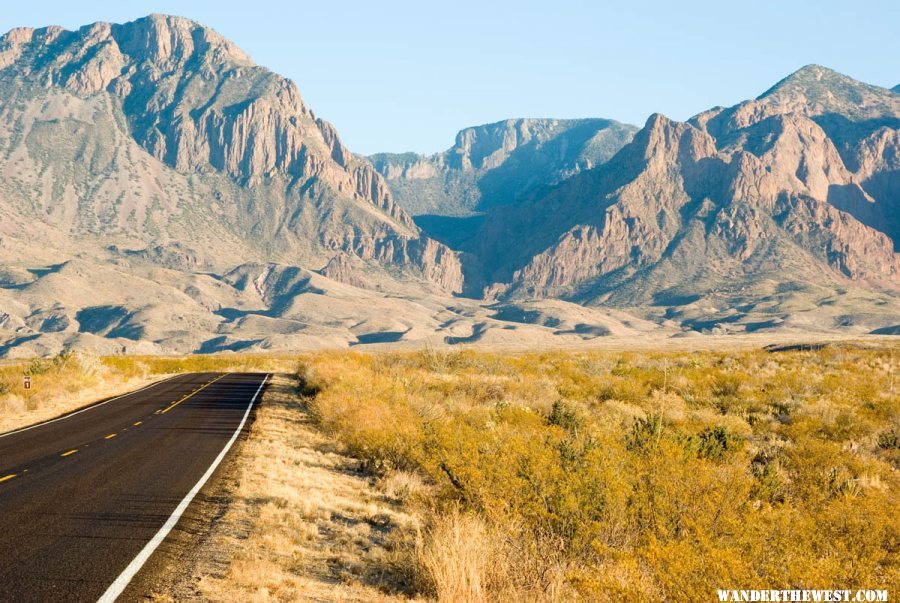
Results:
161 193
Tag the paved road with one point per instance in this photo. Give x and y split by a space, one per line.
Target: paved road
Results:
87 497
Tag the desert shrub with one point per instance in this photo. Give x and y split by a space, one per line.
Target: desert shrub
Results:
617 477
39 366
889 439
846 425
726 389
562 415
646 433
770 483
633 391
715 443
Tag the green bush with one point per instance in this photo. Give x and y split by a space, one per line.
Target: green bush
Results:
715 443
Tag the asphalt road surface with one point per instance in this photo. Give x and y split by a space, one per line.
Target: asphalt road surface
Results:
85 499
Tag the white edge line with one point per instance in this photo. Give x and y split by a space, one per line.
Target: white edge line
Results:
89 407
119 584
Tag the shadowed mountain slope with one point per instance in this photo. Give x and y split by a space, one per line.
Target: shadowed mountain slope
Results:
498 164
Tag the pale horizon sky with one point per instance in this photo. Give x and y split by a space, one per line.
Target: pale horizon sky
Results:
406 76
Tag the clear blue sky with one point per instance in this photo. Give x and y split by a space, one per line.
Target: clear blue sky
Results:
398 76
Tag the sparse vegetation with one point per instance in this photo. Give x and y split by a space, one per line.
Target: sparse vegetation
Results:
630 477
558 476
303 523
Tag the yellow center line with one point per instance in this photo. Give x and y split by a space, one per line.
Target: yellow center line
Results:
7 477
176 403
138 423
69 452
110 436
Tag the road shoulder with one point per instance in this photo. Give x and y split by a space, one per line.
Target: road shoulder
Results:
289 519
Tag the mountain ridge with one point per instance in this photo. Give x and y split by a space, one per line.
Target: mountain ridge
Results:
163 194
805 175
795 183
505 159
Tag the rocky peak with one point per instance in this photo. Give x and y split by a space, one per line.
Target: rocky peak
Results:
812 91
663 140
815 90
489 145
158 43
811 80
196 102
170 41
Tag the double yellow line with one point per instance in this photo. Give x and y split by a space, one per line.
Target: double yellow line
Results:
196 391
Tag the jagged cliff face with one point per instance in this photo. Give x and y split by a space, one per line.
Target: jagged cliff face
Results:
824 135
797 186
188 140
499 164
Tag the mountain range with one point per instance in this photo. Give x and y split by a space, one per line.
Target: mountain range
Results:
161 193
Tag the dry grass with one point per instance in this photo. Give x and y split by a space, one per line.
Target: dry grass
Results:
304 524
630 476
603 476
61 385
458 558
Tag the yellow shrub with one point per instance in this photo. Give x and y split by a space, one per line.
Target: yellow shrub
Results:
632 477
